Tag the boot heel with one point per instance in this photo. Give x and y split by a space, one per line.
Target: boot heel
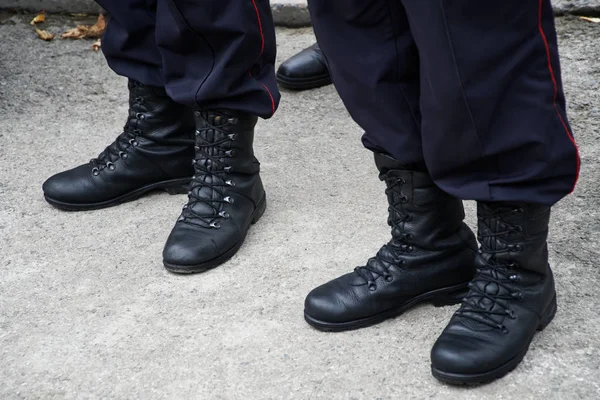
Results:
452 297
260 210
548 315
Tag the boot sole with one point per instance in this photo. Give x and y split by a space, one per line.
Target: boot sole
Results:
174 186
487 377
215 262
439 297
303 84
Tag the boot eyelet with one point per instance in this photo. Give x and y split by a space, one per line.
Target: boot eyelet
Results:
197 113
224 214
372 286
95 171
232 136
185 207
520 210
197 132
402 262
193 162
517 295
503 329
403 199
228 169
233 121
230 182
229 199
214 225
196 148
409 249
511 314
138 100
230 153
515 278
181 219
519 228
389 278
133 142
401 181
140 116
123 155
110 166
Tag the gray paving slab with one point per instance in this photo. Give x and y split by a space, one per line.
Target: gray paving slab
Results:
87 311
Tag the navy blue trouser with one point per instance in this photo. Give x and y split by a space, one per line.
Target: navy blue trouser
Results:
470 88
206 53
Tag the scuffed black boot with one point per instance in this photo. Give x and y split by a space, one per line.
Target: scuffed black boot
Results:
511 297
154 151
226 194
430 258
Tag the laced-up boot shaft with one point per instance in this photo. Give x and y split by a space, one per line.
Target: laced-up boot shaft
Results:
153 152
511 296
430 257
226 194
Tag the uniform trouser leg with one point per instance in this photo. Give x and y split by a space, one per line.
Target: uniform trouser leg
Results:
493 124
375 67
210 54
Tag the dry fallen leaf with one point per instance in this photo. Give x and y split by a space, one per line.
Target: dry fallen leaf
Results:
590 19
97 44
85 31
41 17
75 33
44 35
98 28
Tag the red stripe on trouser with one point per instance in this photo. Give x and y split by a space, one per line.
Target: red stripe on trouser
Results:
578 161
262 49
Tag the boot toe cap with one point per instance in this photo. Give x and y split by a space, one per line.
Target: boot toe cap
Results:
72 186
459 354
187 248
331 303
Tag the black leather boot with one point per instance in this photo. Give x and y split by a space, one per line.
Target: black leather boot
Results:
153 152
430 258
226 194
511 297
306 70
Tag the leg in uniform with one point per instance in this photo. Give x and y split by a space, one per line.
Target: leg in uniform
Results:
458 100
200 74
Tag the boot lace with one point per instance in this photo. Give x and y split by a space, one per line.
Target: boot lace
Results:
210 173
118 148
391 253
496 271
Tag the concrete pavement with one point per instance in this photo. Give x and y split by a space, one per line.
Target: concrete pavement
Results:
87 311
290 13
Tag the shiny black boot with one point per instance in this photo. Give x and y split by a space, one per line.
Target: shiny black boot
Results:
430 258
226 194
511 297
153 152
305 70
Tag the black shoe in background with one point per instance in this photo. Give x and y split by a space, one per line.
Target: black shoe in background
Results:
305 70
